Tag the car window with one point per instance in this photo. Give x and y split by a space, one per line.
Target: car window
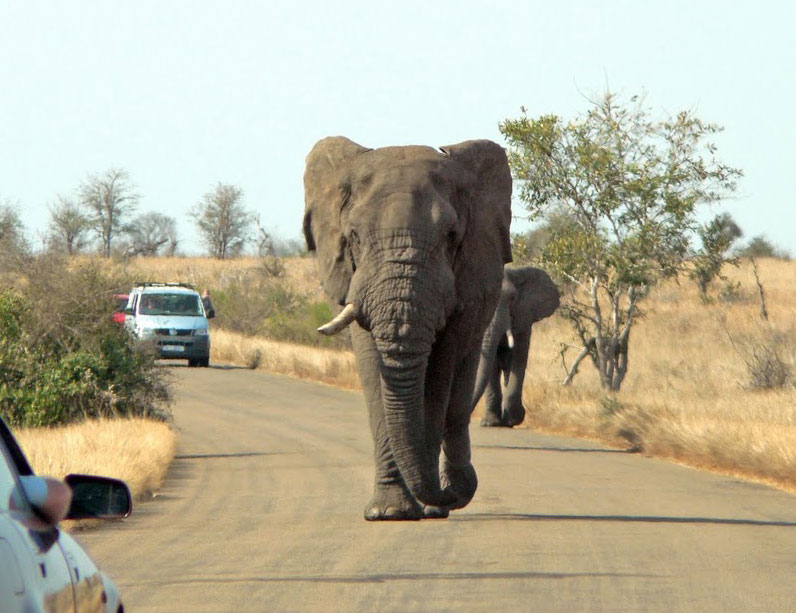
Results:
170 304
7 478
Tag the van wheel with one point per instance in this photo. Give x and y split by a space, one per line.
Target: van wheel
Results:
193 363
204 362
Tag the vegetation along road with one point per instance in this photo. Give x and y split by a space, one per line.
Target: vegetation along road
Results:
262 511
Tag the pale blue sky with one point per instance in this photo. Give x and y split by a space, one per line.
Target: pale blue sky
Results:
185 94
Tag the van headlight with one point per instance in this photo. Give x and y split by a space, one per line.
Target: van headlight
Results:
145 333
200 332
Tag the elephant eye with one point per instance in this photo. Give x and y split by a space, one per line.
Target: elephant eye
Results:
353 246
453 244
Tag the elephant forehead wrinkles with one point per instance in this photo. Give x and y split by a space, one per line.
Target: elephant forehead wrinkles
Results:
401 245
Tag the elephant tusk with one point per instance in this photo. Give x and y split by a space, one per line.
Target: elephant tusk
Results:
346 316
510 339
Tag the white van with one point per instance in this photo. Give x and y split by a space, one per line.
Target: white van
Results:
173 318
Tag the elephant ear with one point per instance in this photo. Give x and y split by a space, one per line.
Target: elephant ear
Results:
326 186
486 204
537 288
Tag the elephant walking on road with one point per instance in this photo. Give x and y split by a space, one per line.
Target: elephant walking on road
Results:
527 295
411 241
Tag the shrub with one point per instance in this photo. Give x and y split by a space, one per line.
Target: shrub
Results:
263 306
766 367
62 359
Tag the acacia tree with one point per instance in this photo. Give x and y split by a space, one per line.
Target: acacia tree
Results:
222 220
631 187
68 225
109 198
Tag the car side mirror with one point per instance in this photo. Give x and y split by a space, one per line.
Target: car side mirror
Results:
98 498
129 312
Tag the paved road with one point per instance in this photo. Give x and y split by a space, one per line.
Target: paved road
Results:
262 511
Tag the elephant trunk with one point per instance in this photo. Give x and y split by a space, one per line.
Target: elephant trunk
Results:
402 396
405 312
495 333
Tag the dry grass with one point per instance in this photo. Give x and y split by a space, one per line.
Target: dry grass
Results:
138 451
326 365
300 273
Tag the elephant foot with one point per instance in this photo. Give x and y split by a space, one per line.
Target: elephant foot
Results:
430 512
462 482
514 416
491 420
393 503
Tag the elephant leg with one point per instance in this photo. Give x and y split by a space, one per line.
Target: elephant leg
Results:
458 473
493 395
391 497
513 410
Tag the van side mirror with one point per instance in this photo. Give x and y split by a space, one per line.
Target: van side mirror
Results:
210 314
98 498
129 311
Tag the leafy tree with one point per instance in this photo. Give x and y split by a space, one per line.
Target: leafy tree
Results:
717 237
109 198
631 187
222 220
68 225
151 233
528 248
760 247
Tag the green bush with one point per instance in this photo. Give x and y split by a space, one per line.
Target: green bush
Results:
62 359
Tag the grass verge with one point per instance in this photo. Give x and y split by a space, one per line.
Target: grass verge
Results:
335 367
138 451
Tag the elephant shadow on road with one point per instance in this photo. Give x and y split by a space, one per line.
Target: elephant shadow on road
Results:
644 519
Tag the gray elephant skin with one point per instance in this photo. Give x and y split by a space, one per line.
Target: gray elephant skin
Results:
527 295
411 241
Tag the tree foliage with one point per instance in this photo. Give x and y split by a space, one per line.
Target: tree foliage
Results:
13 245
222 220
108 198
760 247
717 237
630 186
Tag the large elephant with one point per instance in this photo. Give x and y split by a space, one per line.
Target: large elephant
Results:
527 295
411 241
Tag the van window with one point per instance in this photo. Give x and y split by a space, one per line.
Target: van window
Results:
170 304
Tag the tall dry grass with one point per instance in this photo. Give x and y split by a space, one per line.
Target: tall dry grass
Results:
326 365
138 451
299 275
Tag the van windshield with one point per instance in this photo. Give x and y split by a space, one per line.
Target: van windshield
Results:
170 304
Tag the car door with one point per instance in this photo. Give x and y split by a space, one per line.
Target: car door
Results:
34 575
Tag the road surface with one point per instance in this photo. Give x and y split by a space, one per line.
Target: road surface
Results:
262 511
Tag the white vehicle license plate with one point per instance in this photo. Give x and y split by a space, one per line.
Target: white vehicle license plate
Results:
175 348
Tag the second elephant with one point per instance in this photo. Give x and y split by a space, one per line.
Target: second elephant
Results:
528 294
